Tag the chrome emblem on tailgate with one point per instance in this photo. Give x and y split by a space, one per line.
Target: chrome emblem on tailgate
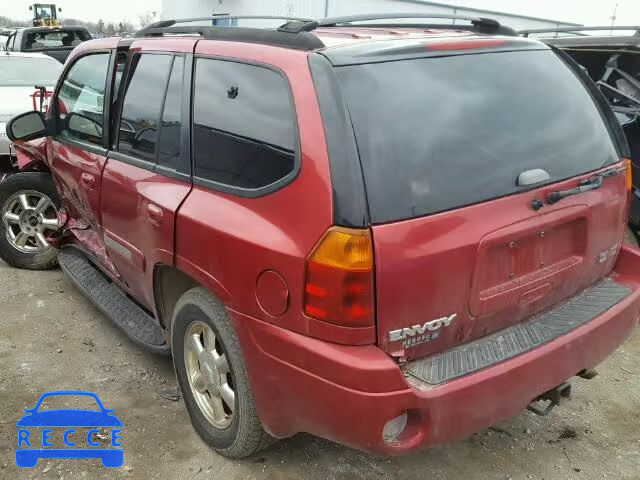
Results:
421 333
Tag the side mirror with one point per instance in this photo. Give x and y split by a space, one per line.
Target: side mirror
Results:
30 7
27 126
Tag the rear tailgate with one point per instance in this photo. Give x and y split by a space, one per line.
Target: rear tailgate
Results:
460 250
492 264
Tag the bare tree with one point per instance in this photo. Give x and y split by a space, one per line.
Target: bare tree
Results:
10 22
147 19
126 27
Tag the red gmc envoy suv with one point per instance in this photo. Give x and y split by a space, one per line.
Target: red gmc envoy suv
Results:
386 234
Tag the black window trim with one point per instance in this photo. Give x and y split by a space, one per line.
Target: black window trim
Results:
616 132
350 204
156 154
241 191
152 165
74 142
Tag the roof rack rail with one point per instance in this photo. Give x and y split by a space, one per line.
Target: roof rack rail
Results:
480 24
579 29
296 32
299 40
223 16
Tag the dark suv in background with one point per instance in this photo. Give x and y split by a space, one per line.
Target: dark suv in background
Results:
390 235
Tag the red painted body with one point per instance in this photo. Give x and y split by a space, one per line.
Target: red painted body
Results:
139 212
344 383
494 264
347 394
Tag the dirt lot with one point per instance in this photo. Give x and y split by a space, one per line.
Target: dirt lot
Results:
53 339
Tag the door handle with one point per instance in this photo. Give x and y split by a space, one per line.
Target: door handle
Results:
87 180
154 214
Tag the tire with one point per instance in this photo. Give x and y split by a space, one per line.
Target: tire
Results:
243 435
630 237
37 183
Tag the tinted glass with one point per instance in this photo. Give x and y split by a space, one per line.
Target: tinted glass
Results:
440 133
243 133
142 104
27 71
169 146
81 99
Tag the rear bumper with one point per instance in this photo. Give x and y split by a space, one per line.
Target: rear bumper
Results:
347 394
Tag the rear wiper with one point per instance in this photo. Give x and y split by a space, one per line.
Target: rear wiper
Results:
592 183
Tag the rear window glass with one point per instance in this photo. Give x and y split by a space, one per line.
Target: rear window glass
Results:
55 39
440 133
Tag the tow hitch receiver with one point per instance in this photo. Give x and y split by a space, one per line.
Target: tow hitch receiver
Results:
554 397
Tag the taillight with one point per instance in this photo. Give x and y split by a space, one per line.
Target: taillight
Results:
339 278
627 164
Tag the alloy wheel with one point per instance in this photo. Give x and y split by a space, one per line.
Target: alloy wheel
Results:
29 216
209 374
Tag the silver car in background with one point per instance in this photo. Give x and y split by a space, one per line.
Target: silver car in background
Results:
20 73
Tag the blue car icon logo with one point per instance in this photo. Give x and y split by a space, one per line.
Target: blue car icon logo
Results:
35 432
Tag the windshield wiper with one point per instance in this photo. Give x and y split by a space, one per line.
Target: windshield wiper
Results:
592 183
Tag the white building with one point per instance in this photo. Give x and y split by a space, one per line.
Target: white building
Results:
331 8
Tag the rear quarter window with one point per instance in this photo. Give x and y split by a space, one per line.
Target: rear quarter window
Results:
244 126
436 134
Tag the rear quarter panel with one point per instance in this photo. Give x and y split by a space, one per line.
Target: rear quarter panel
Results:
225 241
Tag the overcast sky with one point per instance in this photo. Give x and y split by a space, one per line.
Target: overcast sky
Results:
90 10
579 11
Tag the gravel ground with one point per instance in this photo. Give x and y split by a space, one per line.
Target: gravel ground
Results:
54 339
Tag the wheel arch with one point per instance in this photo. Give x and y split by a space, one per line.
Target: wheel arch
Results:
170 283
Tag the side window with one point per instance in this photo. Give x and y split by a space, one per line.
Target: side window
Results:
243 124
142 103
81 99
170 128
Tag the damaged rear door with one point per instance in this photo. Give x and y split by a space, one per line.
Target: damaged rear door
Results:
148 172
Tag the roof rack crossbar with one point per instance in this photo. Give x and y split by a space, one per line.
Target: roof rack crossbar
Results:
224 16
481 24
578 29
335 21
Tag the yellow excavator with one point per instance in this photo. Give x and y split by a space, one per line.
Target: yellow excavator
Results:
45 15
